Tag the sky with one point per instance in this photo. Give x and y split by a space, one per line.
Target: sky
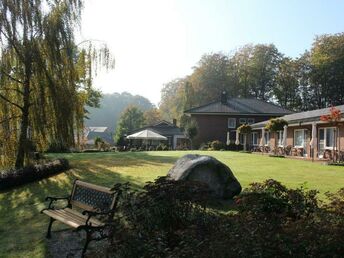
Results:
156 41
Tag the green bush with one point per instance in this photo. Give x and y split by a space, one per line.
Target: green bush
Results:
162 147
204 146
217 145
173 219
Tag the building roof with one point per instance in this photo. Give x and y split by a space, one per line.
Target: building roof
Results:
96 129
162 127
146 135
100 131
239 106
302 117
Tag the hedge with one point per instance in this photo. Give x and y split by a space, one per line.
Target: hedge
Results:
14 177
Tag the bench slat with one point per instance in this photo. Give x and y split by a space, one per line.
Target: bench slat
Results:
71 217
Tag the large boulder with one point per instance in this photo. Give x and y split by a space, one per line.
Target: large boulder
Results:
209 170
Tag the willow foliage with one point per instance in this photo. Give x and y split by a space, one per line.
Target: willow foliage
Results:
45 77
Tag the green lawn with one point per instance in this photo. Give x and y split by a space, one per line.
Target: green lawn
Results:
22 227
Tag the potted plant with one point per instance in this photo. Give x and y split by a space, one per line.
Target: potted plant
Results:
274 125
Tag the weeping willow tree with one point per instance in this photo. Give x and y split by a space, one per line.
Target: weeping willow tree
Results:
45 77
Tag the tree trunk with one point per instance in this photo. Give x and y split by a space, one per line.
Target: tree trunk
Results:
22 144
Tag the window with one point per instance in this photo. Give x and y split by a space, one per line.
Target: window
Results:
326 138
254 139
231 122
280 138
267 138
300 138
250 121
242 121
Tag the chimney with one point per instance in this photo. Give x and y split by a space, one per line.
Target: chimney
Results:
174 122
224 97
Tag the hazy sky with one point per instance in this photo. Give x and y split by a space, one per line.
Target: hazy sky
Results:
155 41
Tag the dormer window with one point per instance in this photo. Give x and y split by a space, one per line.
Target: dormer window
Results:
242 121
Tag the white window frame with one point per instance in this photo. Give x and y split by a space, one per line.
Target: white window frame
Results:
325 137
242 121
229 124
304 138
250 119
254 136
267 140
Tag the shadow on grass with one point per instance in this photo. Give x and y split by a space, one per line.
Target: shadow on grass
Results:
23 228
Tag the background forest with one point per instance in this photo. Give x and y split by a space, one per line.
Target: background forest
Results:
313 80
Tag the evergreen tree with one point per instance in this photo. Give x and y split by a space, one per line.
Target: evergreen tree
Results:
132 118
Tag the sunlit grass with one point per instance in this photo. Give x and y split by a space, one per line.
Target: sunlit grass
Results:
22 227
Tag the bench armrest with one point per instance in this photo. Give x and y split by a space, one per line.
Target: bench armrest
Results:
91 214
54 199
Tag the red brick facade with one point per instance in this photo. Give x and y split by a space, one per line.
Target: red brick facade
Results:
215 127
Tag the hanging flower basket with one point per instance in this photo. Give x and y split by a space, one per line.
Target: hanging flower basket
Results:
276 124
245 129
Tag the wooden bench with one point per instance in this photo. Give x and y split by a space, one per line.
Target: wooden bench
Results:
89 207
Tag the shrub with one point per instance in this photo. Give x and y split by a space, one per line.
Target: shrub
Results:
162 147
204 146
217 145
171 219
245 129
14 177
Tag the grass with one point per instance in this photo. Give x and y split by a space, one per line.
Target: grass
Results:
22 227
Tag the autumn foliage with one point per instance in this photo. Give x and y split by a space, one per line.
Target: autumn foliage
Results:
334 116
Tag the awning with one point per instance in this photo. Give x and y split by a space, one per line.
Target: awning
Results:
146 135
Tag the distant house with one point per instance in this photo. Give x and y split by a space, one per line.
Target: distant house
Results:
91 133
217 119
329 138
175 136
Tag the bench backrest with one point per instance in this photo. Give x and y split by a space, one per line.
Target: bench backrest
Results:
92 197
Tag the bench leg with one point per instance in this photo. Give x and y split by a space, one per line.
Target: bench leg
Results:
88 240
49 227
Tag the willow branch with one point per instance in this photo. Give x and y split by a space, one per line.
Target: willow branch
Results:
11 102
16 90
8 119
11 77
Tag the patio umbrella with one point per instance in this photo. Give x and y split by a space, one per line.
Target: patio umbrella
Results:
314 131
284 141
146 135
237 141
262 140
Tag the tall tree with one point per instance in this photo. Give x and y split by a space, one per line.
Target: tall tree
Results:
264 67
132 118
152 116
46 79
240 71
172 104
327 60
210 77
286 90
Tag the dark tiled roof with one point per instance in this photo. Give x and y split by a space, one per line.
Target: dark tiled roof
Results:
307 116
240 106
163 127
